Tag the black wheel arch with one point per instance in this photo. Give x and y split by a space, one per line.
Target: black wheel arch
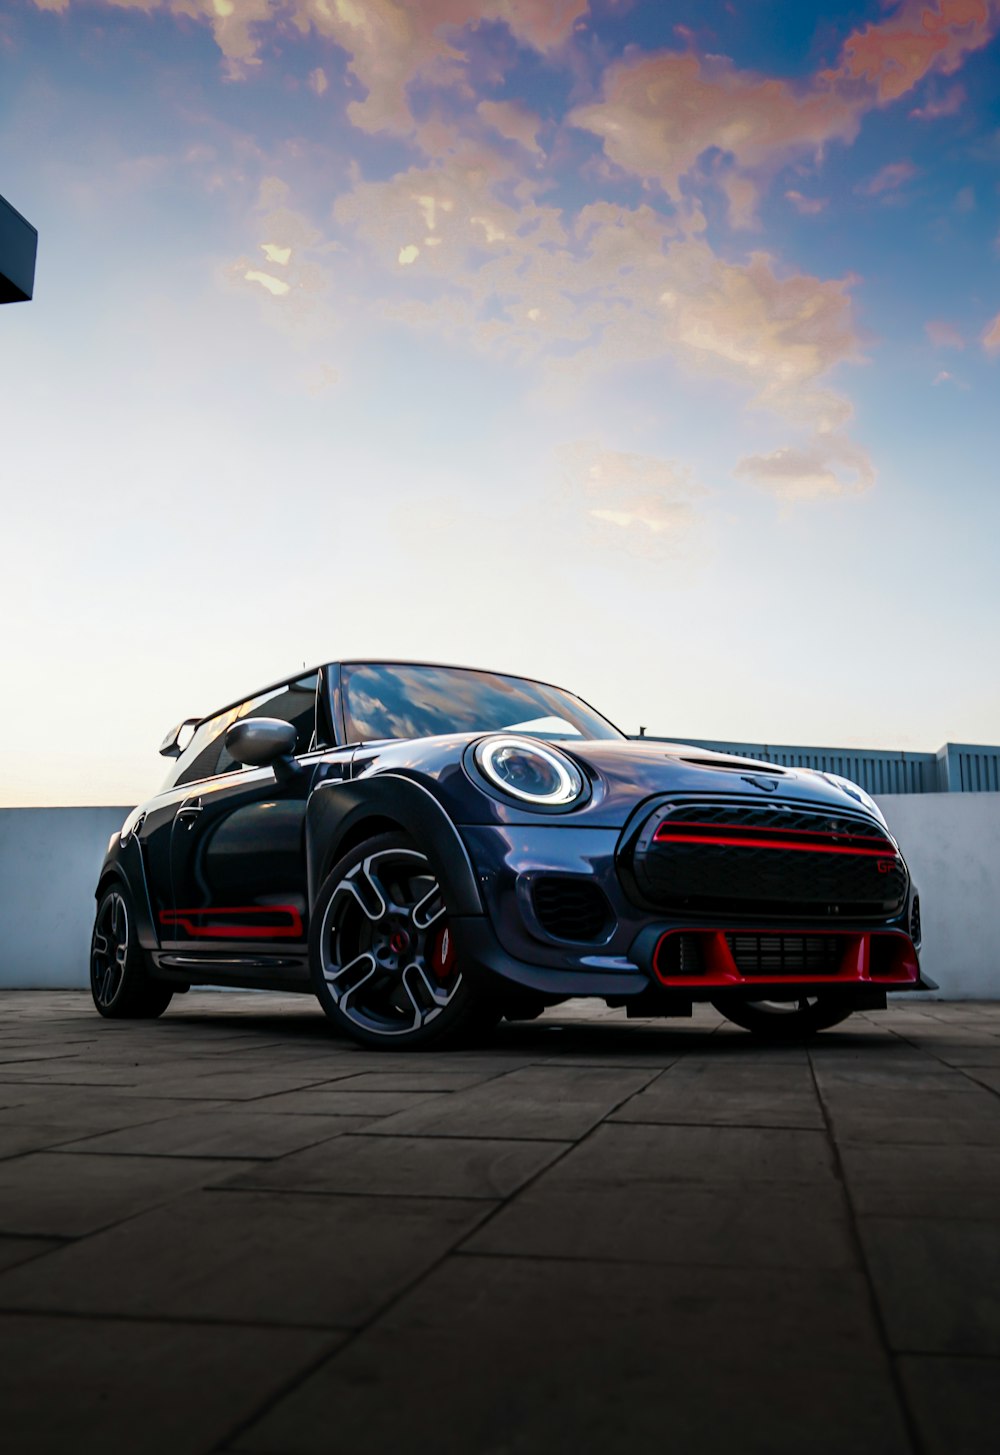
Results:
339 816
123 864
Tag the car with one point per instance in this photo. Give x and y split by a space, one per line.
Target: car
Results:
428 849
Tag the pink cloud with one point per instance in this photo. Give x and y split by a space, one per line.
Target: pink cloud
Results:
893 55
512 122
829 465
660 113
808 206
991 336
948 104
887 179
943 335
391 43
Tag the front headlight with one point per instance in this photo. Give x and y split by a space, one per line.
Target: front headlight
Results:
534 772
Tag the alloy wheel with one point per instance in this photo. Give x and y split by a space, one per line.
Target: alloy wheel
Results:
109 952
386 952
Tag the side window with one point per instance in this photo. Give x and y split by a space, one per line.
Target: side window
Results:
294 703
200 758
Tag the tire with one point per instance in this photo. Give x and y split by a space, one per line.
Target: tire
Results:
381 956
120 982
792 1020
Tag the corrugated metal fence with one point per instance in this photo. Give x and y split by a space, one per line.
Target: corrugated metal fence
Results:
955 768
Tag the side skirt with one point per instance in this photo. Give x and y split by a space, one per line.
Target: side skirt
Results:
245 972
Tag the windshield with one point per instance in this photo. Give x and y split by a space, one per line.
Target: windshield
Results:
391 700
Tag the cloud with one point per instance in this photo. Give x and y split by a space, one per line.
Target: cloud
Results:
808 206
991 336
276 286
513 122
742 196
318 81
943 335
947 104
609 285
828 466
887 179
390 43
640 503
919 38
660 113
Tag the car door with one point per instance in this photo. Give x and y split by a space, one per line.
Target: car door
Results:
237 851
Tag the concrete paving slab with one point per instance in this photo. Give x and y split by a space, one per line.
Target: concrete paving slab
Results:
78 1385
937 1282
955 1404
621 1153
232 1132
99 1109
439 1078
923 1180
670 1102
318 1100
250 1257
21 1250
56 1194
988 1076
550 1103
686 1246
722 1225
409 1166
230 1085
516 1355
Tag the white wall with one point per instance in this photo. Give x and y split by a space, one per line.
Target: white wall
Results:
952 844
50 858
49 862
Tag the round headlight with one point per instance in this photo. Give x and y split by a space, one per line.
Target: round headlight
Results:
534 772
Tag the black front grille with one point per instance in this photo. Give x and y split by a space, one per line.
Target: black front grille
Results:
745 859
571 908
786 954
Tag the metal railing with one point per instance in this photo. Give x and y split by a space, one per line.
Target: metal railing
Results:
955 768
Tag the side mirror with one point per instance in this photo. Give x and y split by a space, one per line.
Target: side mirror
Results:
259 742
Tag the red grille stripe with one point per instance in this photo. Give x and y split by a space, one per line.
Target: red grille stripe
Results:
677 826
770 843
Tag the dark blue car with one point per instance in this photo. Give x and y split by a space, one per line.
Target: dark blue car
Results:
429 848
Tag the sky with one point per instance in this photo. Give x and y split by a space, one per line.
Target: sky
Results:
648 348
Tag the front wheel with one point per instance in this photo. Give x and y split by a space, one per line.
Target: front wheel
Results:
381 952
783 1020
120 981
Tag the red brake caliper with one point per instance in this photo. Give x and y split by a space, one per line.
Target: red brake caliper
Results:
443 954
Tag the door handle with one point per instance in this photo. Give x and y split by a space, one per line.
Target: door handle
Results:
190 811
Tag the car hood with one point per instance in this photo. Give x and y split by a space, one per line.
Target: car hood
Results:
625 773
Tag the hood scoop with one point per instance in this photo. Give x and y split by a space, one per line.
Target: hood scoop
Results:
722 765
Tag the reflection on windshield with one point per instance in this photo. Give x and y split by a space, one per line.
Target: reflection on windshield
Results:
390 700
545 727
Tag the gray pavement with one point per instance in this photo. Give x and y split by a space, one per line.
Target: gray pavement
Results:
228 1230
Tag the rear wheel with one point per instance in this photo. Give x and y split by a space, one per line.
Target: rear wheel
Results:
382 955
783 1020
120 982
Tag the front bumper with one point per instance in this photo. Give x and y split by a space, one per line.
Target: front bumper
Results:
509 942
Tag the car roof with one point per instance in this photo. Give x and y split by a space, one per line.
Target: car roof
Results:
371 662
